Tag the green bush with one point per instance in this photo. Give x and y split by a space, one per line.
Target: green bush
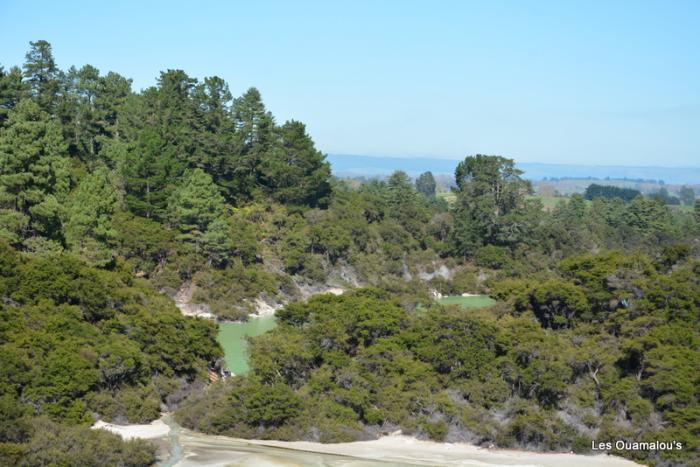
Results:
492 256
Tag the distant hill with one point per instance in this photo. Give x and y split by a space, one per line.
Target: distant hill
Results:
356 165
352 165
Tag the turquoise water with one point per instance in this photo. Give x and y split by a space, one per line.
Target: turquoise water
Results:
478 301
232 337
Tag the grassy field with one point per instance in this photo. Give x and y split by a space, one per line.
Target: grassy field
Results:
549 202
479 301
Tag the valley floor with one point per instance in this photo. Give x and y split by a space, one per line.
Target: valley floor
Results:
200 450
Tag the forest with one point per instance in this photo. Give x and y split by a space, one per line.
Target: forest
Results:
112 199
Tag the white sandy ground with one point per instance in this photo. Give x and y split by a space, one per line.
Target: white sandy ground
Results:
200 450
184 295
410 451
183 299
262 308
155 429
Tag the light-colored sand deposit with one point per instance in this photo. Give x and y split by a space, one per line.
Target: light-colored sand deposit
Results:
155 429
200 450
389 450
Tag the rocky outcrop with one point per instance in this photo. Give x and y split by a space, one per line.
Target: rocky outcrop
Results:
183 299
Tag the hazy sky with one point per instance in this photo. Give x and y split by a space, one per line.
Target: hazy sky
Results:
607 82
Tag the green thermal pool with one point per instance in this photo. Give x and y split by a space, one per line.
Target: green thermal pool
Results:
232 337
475 301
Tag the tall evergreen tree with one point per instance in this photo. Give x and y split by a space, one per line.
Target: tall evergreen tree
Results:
166 111
113 91
150 172
400 188
217 242
77 110
488 188
88 225
649 215
294 171
212 100
405 204
254 134
160 129
425 183
34 169
42 74
195 204
12 89
175 114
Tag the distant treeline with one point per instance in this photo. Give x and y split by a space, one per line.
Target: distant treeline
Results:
609 192
607 179
687 195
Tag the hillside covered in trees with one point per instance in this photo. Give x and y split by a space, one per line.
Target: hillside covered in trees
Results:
111 200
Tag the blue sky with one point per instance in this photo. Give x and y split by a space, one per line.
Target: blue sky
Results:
590 82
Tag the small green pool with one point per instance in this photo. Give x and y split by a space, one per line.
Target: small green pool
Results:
477 301
232 337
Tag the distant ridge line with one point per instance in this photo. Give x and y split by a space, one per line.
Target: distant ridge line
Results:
358 165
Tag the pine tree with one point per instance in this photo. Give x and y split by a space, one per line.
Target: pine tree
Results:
488 188
12 89
34 170
217 243
400 189
253 122
195 204
294 171
175 115
78 112
254 133
425 183
212 100
405 204
88 226
150 172
648 215
42 74
113 92
13 225
161 128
